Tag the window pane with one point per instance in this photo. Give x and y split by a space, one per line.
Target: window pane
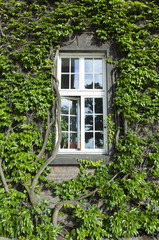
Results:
89 140
74 81
74 65
64 106
98 105
64 123
73 107
98 81
65 81
65 65
88 122
88 65
88 105
99 122
89 81
73 123
64 141
73 140
98 65
99 140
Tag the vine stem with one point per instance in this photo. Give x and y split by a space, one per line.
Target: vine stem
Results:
59 205
57 111
3 178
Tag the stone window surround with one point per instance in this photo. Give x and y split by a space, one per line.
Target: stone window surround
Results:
87 43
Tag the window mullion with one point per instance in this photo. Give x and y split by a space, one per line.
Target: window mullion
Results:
69 73
81 73
82 124
93 124
69 125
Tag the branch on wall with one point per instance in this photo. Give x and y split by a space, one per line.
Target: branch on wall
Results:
1 30
49 125
55 89
3 177
70 41
59 205
117 128
125 126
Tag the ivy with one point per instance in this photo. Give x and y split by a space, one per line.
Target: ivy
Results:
121 198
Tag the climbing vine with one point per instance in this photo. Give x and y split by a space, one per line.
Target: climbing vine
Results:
120 199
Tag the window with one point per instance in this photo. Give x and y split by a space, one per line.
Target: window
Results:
83 103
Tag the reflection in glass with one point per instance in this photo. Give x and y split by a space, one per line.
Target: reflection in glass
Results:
74 65
88 65
88 105
64 141
98 81
89 140
99 122
88 122
65 81
73 123
99 140
73 140
89 81
64 106
98 105
74 81
64 123
65 65
69 121
73 107
98 65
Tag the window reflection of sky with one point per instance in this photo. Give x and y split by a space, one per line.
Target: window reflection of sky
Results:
74 81
98 65
93 73
64 106
88 65
74 65
98 81
88 105
89 141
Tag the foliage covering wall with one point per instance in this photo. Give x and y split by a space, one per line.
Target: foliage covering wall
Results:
125 193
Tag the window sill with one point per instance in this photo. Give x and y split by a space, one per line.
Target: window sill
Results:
70 159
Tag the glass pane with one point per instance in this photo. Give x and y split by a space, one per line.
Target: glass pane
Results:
98 65
65 81
73 123
73 140
98 105
73 107
89 122
99 122
88 105
88 65
74 81
64 141
98 81
74 65
64 123
89 140
64 106
89 81
65 65
99 140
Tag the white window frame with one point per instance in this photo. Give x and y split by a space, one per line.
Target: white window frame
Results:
85 93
